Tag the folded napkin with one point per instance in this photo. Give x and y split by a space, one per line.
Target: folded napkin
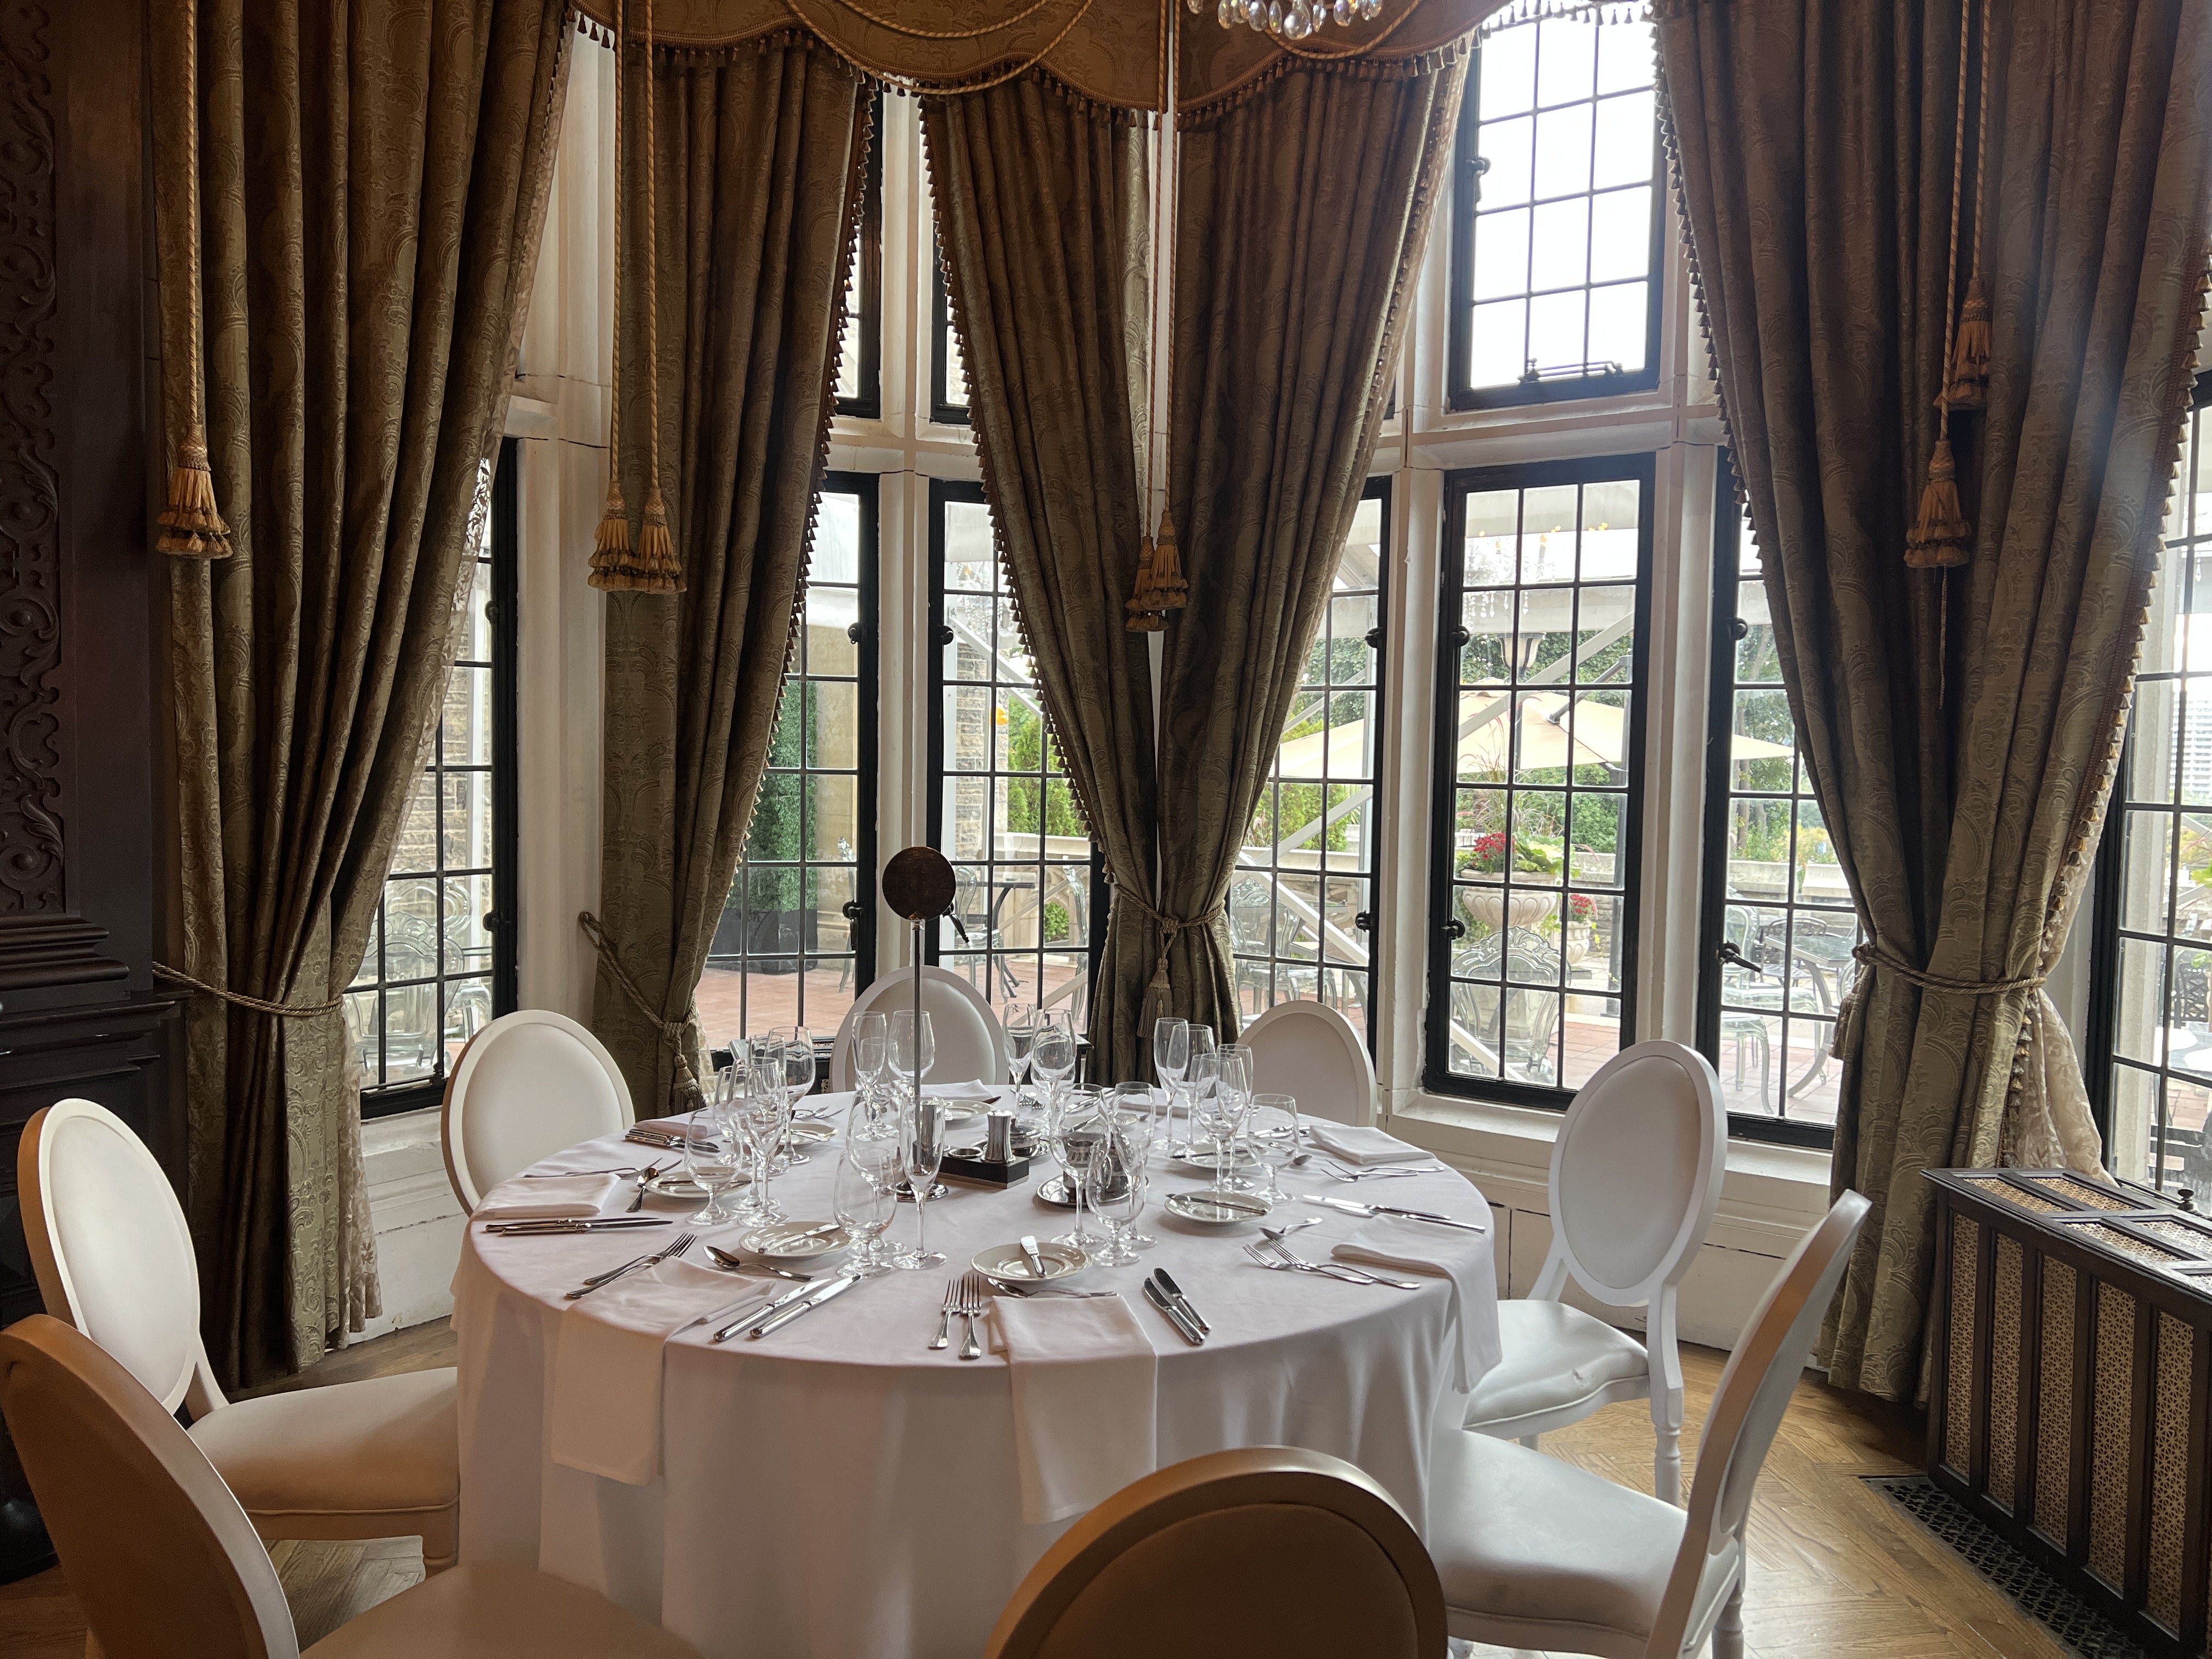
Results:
606 1371
1086 1387
1356 1145
556 1198
977 1090
679 1125
1464 1258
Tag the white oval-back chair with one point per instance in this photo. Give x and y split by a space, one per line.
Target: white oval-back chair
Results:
1536 1553
375 1459
1636 1175
1308 1050
971 1044
529 1083
164 1565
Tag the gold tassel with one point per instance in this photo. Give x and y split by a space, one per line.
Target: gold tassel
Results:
1970 365
611 560
656 568
193 525
1943 536
1144 610
1170 591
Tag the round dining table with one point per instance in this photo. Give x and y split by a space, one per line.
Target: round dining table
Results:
839 1489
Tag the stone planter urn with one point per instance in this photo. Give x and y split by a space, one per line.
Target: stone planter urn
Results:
1498 908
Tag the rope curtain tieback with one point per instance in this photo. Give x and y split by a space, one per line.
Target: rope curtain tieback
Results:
238 999
1169 927
1941 537
672 1032
1872 957
1161 587
1970 363
611 560
191 523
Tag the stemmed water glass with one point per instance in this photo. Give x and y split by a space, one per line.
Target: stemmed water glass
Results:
1078 1130
757 1116
1201 1072
714 1153
1224 1112
1129 1148
914 1045
1021 1028
796 1044
872 1050
1170 1056
1274 1130
1053 1056
921 1147
865 1197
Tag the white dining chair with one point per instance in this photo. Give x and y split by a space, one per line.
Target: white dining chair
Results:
161 1561
375 1459
529 1083
1636 1176
1308 1050
1262 1550
971 1044
1535 1553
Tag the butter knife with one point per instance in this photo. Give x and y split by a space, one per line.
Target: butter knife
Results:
1173 1314
1029 1249
829 1293
745 1307
1175 1290
1350 1208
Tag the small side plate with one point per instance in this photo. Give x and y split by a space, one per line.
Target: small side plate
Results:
783 1246
1054 1193
1005 1263
1207 1208
1197 1158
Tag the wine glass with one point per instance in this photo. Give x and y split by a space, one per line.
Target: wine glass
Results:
1170 1054
914 1045
713 1155
1274 1130
796 1044
1078 1133
923 1148
1201 1072
865 1197
756 1114
1053 1056
1137 1102
1021 1028
872 1051
1220 1111
1119 1197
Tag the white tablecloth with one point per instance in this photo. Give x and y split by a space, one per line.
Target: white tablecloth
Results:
838 1491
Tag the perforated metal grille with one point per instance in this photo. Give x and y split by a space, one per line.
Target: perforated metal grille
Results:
1996 1187
2195 1240
2111 1421
2126 1243
2004 1372
2169 1468
2082 1194
1958 1393
2075 1626
2055 1406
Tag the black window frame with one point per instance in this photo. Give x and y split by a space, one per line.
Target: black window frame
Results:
942 492
1641 469
859 911
2101 1059
1378 489
1467 169
503 613
1713 899
941 332
868 279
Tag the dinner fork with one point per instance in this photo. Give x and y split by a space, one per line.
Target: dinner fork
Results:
944 1337
1292 1262
680 1243
650 1172
974 1296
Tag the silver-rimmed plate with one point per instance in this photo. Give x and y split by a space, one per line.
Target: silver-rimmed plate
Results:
797 1243
1006 1264
1055 1192
1204 1158
1207 1208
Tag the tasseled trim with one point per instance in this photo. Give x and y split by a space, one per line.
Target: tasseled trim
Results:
1145 613
1361 65
192 525
1942 537
653 568
610 548
1970 361
1588 11
1169 587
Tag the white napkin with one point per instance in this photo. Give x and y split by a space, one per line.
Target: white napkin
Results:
556 1198
1357 1144
606 1372
680 1125
1086 1388
1464 1258
977 1090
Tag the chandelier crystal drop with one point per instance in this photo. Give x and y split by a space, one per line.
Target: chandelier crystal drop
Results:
1288 20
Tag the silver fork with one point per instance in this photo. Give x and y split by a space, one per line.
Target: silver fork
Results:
944 1337
1345 1271
650 1172
680 1243
973 1294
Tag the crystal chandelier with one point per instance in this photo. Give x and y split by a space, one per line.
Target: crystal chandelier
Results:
1292 21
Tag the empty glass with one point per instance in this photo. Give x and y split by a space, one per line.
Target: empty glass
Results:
795 1044
1274 1131
1079 1130
1171 1054
865 1197
923 1147
1121 1192
1021 1026
756 1114
714 1156
1201 1072
1222 1115
913 1045
1053 1056
1139 1104
872 1048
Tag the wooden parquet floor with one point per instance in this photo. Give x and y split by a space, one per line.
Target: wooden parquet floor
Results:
1836 1569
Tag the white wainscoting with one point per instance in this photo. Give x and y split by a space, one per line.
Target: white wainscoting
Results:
418 1220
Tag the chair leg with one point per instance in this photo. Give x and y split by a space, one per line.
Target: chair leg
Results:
1728 1633
1529 1441
1667 1396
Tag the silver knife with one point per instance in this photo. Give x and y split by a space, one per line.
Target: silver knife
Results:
750 1303
829 1293
1182 1301
1173 1314
1029 1249
742 1320
1350 1208
613 1224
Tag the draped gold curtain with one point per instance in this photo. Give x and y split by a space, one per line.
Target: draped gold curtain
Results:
758 177
373 184
1041 202
1305 206
1962 762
